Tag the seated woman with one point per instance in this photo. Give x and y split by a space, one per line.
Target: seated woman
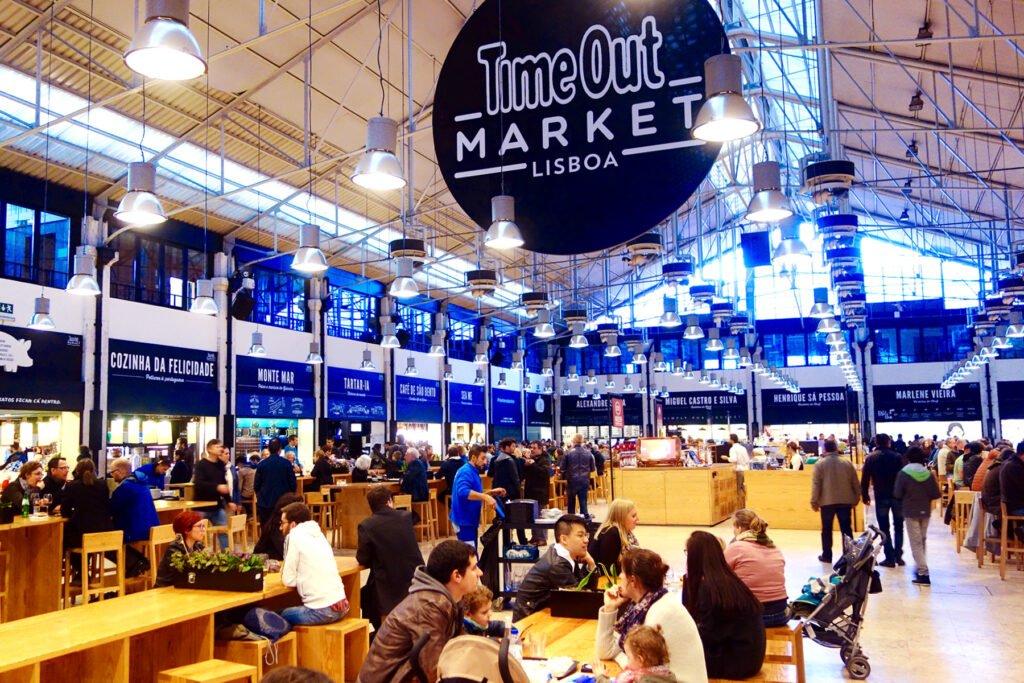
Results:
190 528
322 473
794 458
271 540
361 472
616 533
759 564
85 504
30 477
641 599
727 613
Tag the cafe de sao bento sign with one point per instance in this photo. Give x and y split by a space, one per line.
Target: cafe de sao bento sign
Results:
559 102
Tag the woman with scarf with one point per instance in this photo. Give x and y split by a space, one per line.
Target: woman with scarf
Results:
760 565
615 534
641 599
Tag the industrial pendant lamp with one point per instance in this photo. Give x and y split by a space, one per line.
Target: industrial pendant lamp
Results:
638 355
41 319
573 375
83 282
503 232
1001 340
730 352
768 204
659 364
478 379
627 388
693 329
367 363
609 385
591 378
204 303
309 258
677 369
448 375
388 338
791 254
836 339
410 367
140 208
436 345
480 356
164 48
1015 330
725 115
578 339
714 340
256 347
828 325
517 360
544 329
565 390
403 286
612 350
821 308
314 357
378 169
670 317
502 382
703 378
547 367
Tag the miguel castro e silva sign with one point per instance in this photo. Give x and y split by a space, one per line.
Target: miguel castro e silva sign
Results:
582 109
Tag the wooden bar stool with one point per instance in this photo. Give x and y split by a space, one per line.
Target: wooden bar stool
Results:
1008 544
403 501
426 529
235 530
792 635
159 538
96 580
209 671
253 652
336 649
321 512
963 501
5 567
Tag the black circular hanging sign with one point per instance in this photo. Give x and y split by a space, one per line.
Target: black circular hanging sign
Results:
579 109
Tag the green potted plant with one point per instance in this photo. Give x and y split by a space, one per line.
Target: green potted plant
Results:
583 600
221 571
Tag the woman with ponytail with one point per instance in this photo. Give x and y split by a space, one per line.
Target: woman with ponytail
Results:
760 565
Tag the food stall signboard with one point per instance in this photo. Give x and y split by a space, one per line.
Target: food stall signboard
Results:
927 403
618 413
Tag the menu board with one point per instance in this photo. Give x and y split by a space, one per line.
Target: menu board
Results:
417 400
274 388
581 412
161 380
927 402
355 395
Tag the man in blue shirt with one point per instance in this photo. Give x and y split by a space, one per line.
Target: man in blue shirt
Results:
274 478
293 448
414 481
468 494
152 475
131 504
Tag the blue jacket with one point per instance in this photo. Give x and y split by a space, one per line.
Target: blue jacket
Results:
414 481
274 478
148 477
132 507
466 512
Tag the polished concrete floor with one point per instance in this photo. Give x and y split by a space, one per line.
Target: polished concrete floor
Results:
966 627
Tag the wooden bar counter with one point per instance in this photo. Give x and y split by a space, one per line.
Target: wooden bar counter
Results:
783 499
699 496
35 548
134 637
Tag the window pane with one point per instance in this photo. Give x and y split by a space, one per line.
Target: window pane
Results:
18 242
885 346
53 250
174 271
796 350
122 273
817 350
772 349
934 344
148 269
910 345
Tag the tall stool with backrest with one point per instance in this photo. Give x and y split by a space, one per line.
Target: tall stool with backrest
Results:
963 501
5 567
426 529
1009 541
159 538
96 580
235 529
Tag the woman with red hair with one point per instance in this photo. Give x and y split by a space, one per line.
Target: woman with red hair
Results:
190 528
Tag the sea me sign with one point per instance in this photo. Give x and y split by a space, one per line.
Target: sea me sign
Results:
556 103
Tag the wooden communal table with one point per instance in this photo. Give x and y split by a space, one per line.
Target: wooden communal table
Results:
35 548
302 484
167 510
783 499
188 490
350 507
575 638
134 637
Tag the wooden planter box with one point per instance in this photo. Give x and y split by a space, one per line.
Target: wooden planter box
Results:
576 604
248 582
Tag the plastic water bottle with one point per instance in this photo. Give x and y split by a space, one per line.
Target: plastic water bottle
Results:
515 648
26 506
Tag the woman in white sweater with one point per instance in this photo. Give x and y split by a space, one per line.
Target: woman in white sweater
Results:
641 590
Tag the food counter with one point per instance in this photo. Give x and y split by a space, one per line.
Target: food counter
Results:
783 499
701 496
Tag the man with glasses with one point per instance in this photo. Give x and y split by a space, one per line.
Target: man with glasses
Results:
54 482
310 568
563 566
131 503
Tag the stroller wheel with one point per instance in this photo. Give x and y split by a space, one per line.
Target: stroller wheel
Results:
846 652
858 667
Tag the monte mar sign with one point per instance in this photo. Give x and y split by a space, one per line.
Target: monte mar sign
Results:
579 109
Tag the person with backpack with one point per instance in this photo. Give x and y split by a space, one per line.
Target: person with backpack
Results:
310 568
915 489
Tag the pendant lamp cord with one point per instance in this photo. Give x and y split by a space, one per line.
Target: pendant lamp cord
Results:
380 43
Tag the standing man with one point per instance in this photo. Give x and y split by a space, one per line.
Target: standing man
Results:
468 494
414 481
387 545
211 484
834 492
54 481
131 504
310 568
274 478
880 469
505 475
738 456
537 484
576 467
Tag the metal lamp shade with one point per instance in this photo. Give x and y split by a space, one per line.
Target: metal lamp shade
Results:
379 169
403 286
503 232
164 48
141 208
309 258
768 204
83 282
725 115
314 357
256 347
41 319
203 303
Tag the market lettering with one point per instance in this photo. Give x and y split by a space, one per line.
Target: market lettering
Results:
139 362
275 376
353 384
924 394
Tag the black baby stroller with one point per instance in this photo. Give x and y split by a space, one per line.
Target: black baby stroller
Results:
835 619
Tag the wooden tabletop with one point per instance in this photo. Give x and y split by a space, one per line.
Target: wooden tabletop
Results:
575 638
20 522
87 626
171 505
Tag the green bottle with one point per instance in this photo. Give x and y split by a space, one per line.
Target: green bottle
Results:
25 506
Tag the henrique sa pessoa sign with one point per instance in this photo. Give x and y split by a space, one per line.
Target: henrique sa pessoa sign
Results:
583 109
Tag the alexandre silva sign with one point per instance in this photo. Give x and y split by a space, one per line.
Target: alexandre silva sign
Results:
559 103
